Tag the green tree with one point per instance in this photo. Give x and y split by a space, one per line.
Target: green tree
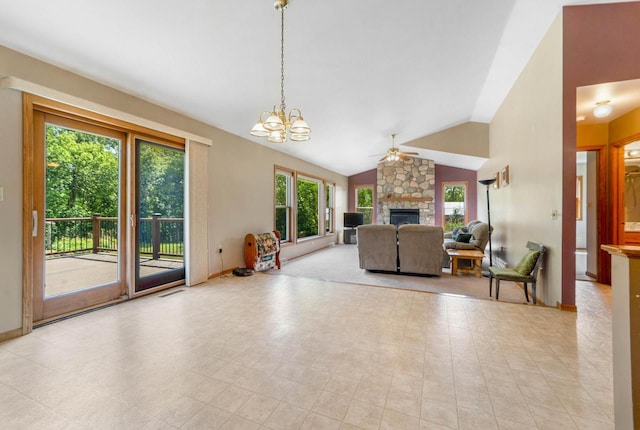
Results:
282 211
455 194
365 203
308 201
82 173
161 181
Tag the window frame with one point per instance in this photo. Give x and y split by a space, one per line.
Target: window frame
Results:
373 195
329 208
464 184
286 236
325 227
320 219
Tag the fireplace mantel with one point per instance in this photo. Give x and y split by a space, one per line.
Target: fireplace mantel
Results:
405 199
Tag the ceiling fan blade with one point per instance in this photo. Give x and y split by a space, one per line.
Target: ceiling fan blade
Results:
404 157
383 158
410 153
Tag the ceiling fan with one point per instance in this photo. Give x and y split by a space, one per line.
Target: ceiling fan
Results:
394 154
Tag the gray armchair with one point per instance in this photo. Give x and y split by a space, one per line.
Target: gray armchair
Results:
479 238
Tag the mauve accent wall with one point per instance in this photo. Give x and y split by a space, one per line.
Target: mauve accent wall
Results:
443 173
455 174
601 43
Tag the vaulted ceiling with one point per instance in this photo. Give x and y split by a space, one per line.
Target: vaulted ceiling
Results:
359 70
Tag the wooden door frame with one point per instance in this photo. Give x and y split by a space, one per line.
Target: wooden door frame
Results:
617 182
31 103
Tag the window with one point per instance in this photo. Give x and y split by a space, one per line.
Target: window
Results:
364 202
304 205
308 214
283 191
454 205
329 209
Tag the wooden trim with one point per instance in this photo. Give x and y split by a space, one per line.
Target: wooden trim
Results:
81 115
48 93
569 308
591 275
466 199
405 199
11 334
27 205
88 308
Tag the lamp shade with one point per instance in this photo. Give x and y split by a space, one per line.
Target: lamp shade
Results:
274 123
487 181
276 137
258 130
300 137
300 126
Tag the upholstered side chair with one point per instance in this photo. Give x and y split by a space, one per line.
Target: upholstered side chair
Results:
525 271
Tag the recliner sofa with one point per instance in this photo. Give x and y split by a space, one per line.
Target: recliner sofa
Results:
410 248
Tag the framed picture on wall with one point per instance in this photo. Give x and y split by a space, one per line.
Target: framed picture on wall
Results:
496 184
504 177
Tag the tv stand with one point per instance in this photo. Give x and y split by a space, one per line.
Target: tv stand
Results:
350 236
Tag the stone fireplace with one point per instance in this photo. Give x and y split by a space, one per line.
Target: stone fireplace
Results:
406 185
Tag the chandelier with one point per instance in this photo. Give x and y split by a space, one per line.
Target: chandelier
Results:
276 125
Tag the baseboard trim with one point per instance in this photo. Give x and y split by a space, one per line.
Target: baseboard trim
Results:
11 334
591 275
224 272
569 308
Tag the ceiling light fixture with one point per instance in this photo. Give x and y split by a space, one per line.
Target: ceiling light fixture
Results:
603 109
394 153
278 124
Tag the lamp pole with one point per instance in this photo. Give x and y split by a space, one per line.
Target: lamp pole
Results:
488 183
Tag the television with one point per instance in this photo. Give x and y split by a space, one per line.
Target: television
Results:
353 219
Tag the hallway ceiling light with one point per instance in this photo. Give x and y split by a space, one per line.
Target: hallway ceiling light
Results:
603 109
275 125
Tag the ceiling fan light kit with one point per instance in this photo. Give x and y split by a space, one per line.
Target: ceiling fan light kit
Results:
394 154
277 125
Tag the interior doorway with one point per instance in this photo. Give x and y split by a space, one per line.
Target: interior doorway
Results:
586 215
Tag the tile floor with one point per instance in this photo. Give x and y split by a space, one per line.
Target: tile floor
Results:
271 352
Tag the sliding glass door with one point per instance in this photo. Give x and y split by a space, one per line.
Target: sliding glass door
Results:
160 215
78 223
106 217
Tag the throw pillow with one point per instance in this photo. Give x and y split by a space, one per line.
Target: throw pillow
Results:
457 230
525 266
464 237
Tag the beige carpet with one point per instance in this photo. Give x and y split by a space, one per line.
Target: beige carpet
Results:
339 263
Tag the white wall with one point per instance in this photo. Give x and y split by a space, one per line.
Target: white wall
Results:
526 135
581 224
240 184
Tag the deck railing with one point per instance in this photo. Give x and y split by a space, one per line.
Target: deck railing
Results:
159 237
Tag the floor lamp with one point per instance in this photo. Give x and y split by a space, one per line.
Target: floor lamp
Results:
488 183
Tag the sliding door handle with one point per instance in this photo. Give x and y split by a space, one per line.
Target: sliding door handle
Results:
34 230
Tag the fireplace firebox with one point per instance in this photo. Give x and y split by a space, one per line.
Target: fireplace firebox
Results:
404 216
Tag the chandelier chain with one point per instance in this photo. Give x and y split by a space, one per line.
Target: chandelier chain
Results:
282 104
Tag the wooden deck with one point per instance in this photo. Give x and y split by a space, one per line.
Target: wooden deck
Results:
77 272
